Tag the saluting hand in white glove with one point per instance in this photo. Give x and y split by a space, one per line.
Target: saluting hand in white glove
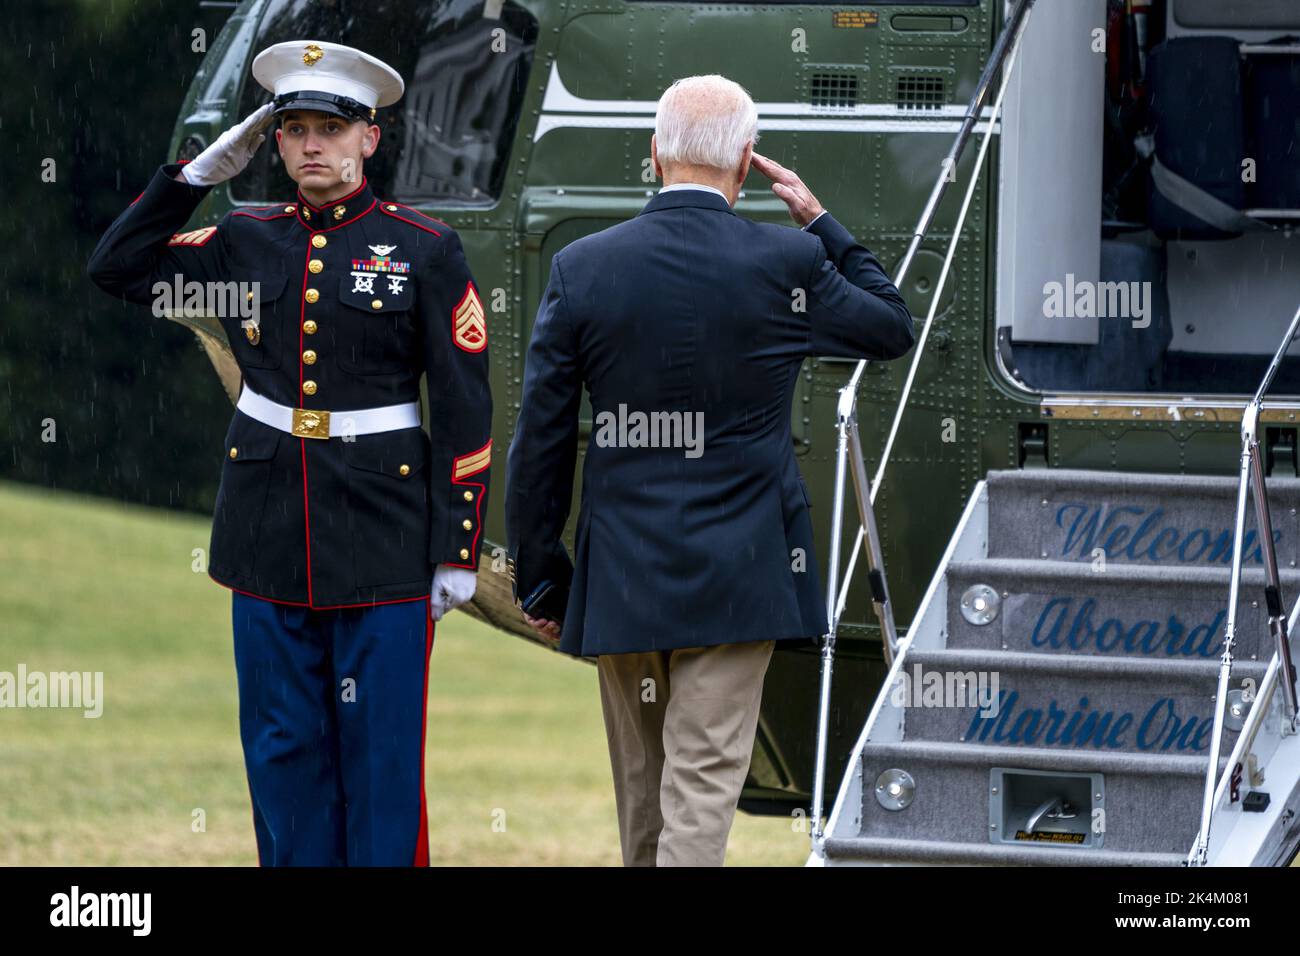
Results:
231 152
452 587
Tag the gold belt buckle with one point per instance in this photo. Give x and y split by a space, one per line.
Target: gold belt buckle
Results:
311 423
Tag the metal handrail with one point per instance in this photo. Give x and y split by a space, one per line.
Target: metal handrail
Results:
1250 479
1004 52
1249 731
1007 46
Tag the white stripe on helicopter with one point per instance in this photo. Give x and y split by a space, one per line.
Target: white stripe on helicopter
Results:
562 109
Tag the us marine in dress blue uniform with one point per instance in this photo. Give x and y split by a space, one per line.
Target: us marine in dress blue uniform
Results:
342 530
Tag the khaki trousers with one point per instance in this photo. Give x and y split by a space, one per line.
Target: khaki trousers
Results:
681 728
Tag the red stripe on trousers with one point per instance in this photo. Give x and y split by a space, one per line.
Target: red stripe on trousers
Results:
422 841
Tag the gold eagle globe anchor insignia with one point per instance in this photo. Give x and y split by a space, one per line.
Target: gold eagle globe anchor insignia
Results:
311 423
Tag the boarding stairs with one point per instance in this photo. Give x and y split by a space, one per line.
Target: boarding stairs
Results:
1135 625
1099 602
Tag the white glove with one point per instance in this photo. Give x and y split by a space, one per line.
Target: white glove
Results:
231 152
452 587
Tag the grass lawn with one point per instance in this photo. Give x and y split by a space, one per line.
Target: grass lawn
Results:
514 731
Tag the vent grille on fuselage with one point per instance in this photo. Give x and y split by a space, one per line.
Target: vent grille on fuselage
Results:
920 92
832 90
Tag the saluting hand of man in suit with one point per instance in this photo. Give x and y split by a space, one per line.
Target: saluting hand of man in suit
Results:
789 188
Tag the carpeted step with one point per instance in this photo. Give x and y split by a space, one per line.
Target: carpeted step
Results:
849 850
1090 675
1063 702
1180 520
1156 613
1151 802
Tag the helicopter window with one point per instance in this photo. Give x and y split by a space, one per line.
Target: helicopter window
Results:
448 139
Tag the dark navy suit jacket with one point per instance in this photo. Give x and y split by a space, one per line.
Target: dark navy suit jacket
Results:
686 308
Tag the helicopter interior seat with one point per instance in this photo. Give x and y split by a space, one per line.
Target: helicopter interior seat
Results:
1213 255
1217 115
1225 187
1264 73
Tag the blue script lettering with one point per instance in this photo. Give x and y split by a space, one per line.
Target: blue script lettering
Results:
1161 727
1088 527
1067 622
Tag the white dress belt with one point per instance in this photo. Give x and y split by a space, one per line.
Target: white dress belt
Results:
314 423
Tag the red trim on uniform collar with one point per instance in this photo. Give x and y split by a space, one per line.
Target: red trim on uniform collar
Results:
333 202
323 214
340 225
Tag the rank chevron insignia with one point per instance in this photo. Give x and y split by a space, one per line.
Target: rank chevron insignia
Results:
196 237
473 463
469 325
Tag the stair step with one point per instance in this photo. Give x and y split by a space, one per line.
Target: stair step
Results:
874 850
1184 520
1152 801
1100 658
1063 702
1150 612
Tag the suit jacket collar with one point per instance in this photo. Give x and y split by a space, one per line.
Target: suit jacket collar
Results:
699 198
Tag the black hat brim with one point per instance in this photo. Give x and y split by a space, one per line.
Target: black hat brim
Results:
331 103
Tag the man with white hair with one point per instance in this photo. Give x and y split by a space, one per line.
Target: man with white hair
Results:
687 325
